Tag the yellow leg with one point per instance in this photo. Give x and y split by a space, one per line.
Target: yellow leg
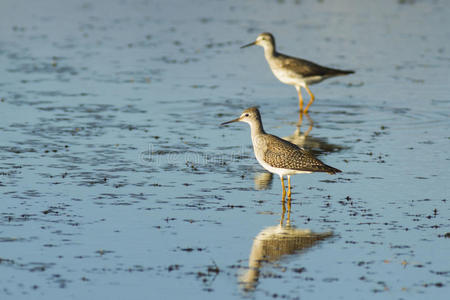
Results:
289 201
289 187
282 183
311 100
283 212
300 98
300 119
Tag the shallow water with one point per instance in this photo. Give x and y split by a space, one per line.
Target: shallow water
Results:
117 181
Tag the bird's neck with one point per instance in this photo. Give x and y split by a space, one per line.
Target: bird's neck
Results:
256 128
269 51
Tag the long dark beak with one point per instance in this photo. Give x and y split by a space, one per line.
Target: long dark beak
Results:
232 121
248 45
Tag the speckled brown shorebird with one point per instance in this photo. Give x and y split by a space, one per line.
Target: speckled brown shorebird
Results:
277 155
294 71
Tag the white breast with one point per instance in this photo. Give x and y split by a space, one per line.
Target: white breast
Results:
287 77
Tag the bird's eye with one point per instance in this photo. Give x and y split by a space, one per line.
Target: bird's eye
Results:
246 115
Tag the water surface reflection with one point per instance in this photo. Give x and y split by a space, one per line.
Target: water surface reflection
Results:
315 145
275 242
263 180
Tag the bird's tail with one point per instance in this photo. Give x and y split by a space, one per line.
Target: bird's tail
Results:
324 168
345 72
331 170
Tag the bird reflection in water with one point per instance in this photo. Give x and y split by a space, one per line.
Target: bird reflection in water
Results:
315 145
275 242
263 180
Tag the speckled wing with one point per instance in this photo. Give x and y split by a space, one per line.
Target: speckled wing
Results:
283 154
308 69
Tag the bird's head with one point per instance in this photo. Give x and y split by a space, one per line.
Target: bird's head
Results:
264 40
249 116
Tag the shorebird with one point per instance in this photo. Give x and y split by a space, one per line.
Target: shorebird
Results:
294 71
277 155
